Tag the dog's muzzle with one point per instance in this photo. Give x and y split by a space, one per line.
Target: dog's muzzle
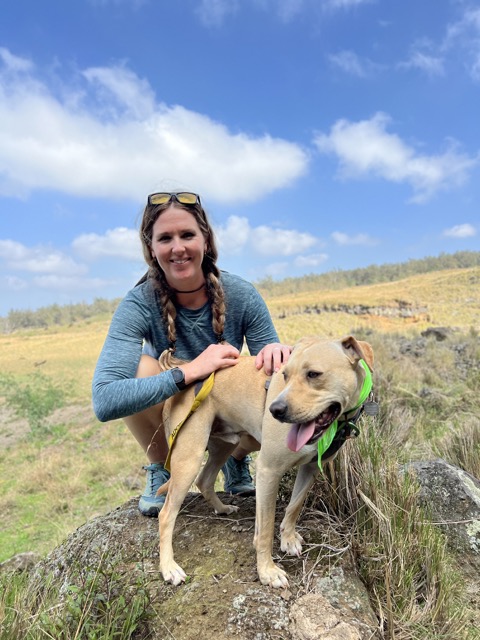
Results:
309 432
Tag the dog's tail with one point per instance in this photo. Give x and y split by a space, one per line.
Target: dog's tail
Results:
163 488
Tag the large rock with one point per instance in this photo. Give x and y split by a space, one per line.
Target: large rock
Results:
337 608
20 562
223 598
453 498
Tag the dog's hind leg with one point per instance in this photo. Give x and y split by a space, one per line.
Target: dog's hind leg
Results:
186 459
291 540
218 452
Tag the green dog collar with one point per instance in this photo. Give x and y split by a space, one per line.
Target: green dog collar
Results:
327 438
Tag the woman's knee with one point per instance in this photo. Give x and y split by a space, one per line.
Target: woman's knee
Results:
148 366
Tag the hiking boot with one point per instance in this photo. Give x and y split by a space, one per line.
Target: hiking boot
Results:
238 480
150 504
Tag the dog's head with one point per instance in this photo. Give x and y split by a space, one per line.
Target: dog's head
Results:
323 380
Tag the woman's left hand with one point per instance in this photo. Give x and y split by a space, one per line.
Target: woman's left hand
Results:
272 357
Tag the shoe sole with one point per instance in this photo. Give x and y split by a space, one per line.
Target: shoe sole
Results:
151 513
247 492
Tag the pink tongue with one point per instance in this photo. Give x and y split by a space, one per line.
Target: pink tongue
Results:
299 435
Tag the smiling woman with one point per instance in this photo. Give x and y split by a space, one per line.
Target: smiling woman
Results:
187 305
179 247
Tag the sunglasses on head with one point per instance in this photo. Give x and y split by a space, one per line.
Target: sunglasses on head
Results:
184 197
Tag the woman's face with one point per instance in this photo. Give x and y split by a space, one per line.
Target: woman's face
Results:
178 245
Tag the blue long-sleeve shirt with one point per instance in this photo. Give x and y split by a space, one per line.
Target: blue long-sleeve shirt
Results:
138 320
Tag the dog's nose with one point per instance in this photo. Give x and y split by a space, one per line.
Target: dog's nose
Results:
278 409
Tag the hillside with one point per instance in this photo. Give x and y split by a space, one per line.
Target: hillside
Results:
373 274
67 353
271 290
450 298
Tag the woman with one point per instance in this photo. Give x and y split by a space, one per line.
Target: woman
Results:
187 305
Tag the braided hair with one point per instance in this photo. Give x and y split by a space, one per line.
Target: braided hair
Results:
165 293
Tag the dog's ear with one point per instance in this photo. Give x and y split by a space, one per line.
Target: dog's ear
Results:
358 350
367 353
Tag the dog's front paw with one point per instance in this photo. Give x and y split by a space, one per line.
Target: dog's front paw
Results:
291 544
173 574
226 509
273 577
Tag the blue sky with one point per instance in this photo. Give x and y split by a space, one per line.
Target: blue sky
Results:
321 135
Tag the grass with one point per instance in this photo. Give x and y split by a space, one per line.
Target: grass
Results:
438 298
400 556
54 483
98 609
60 467
66 355
371 511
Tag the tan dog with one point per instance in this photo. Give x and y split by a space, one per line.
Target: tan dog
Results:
321 381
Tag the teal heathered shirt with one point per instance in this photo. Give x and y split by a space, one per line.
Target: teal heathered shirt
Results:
138 321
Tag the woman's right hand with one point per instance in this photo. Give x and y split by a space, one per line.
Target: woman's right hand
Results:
213 358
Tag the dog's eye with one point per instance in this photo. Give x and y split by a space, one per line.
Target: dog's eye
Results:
313 374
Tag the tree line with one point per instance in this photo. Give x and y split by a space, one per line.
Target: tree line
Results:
373 274
56 315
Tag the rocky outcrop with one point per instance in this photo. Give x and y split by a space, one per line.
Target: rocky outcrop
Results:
223 597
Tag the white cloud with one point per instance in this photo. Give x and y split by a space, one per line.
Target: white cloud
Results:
366 149
310 261
234 235
349 62
360 239
268 241
67 283
430 64
276 269
38 259
288 9
119 243
12 283
464 36
213 13
14 63
263 240
136 4
468 26
346 4
460 46
461 231
114 140
126 87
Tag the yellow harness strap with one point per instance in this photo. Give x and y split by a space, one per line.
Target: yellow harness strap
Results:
197 401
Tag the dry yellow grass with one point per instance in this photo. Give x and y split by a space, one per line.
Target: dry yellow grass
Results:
449 298
67 354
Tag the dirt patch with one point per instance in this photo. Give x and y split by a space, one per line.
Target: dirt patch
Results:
12 428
